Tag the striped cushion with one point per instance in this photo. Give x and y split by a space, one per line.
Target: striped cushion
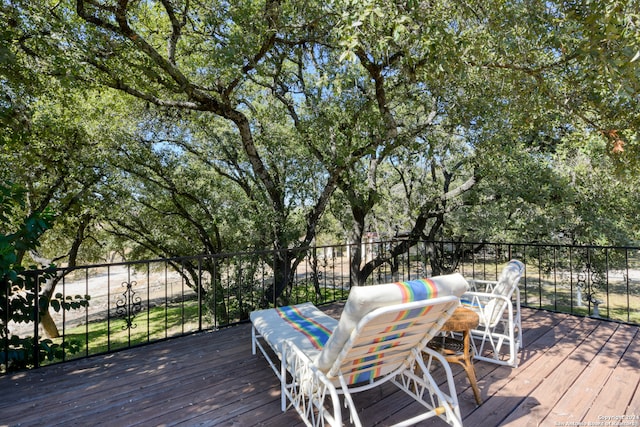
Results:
364 299
311 328
303 324
372 363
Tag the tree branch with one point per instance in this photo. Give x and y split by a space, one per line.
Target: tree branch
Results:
176 28
464 187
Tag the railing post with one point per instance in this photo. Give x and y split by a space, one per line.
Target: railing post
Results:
274 269
539 279
86 311
36 320
148 301
166 300
626 264
606 269
555 278
5 293
108 308
199 285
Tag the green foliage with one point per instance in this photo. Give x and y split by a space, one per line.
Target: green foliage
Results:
201 127
69 303
19 291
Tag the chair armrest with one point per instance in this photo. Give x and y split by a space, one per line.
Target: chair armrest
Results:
487 285
483 295
481 299
488 306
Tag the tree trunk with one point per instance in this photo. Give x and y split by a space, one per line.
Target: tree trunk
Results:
48 289
48 325
282 269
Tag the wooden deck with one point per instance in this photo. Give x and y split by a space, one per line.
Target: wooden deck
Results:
573 371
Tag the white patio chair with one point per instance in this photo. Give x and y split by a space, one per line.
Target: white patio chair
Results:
500 322
381 336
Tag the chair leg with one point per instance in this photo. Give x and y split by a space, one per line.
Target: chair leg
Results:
253 340
283 384
353 413
450 408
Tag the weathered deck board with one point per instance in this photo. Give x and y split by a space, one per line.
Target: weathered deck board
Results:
571 369
621 384
546 386
503 389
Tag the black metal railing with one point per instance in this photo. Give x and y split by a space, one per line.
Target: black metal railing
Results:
102 308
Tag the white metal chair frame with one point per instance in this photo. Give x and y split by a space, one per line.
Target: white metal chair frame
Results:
500 320
405 355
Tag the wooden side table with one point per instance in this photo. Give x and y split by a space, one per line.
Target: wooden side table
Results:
459 351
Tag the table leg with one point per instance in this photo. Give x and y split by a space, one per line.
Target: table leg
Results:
469 368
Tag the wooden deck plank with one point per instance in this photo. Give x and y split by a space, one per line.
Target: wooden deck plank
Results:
582 396
547 353
212 379
634 406
549 386
614 398
631 361
128 384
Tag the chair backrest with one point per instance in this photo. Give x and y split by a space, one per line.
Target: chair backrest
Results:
506 285
378 318
386 338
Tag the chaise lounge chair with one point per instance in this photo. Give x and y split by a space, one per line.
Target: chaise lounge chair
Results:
381 336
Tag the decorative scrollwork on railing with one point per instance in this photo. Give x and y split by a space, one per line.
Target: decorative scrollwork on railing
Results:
128 305
589 282
581 285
